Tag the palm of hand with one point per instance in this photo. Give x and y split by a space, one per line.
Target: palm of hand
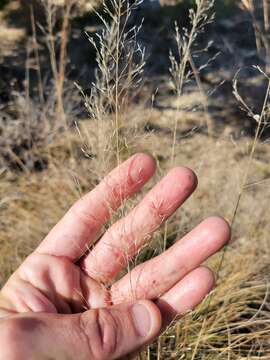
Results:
51 280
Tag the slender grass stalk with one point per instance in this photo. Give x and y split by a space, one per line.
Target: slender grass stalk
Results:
266 15
37 57
208 119
58 63
261 121
180 74
261 32
117 59
62 57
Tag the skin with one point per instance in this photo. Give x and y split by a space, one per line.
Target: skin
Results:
60 305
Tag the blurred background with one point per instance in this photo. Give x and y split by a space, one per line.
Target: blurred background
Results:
85 84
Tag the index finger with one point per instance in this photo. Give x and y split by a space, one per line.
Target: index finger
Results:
82 223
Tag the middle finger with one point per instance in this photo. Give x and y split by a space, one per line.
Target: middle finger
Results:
126 236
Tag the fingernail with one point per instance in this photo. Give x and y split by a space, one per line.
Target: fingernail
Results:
141 319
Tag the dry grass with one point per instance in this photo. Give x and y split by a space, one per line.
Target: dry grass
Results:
261 31
234 322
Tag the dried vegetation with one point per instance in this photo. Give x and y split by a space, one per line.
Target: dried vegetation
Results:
51 154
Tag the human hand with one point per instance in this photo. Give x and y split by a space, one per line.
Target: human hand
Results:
59 305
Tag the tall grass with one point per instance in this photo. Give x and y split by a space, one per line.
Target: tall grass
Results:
120 63
183 68
58 63
186 41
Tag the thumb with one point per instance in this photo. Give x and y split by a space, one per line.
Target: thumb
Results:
105 333
113 332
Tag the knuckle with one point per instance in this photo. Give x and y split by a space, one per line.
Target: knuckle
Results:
88 219
114 189
109 331
119 242
71 285
158 208
67 270
119 255
102 332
